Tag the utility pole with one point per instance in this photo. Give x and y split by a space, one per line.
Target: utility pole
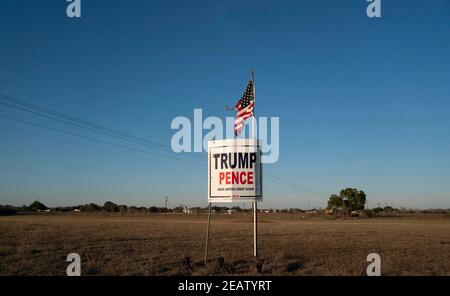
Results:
166 201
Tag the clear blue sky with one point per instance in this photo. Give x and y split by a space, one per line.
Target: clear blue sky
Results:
362 102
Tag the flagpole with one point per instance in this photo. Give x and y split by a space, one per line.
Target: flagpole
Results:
255 204
254 102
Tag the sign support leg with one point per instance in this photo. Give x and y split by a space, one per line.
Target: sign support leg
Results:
255 229
207 231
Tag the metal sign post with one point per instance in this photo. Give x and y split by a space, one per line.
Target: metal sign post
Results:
255 229
207 231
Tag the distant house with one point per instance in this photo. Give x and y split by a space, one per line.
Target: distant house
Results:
77 210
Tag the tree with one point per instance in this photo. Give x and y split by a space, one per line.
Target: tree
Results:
92 207
388 209
197 210
218 209
37 206
356 199
334 202
378 210
110 207
122 208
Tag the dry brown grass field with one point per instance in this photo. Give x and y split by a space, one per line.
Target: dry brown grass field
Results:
157 244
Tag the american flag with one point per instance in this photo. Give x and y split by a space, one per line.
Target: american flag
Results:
245 108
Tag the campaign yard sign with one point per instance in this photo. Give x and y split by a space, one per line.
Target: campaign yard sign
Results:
234 170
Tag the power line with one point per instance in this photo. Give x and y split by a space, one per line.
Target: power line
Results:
119 150
96 140
74 124
294 186
70 117
87 125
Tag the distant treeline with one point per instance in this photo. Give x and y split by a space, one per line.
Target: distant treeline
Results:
111 207
108 206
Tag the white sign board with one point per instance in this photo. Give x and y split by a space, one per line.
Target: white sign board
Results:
234 170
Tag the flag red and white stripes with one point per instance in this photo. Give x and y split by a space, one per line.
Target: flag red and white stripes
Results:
245 107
